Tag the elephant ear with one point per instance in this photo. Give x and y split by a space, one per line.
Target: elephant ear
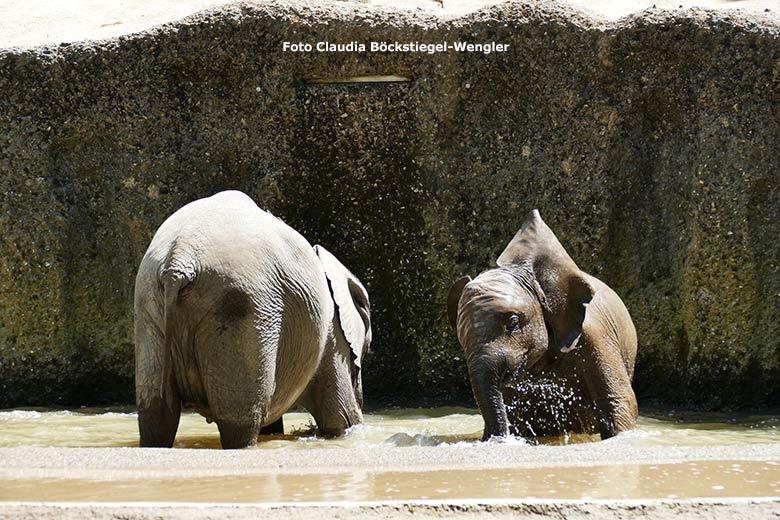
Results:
564 290
352 304
453 298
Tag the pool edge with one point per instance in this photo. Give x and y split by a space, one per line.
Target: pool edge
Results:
733 508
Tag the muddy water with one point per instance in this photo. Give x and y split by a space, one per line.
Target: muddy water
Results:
399 427
438 433
692 479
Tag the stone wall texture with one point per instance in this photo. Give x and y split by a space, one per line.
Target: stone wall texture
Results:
650 145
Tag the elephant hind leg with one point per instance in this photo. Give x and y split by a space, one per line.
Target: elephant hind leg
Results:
234 436
157 423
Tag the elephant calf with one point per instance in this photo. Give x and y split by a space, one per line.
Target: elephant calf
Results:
238 316
550 349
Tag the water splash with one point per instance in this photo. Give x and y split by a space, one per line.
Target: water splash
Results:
542 405
19 414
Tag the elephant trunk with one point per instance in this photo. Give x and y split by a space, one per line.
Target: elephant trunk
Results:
486 379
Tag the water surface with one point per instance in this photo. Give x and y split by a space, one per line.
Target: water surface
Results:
655 481
401 427
434 435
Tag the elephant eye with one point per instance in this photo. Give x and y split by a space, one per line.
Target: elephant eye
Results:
513 323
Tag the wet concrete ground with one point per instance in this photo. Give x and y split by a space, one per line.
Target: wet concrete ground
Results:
414 463
42 462
491 471
732 509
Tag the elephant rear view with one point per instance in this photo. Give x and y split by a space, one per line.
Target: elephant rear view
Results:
239 317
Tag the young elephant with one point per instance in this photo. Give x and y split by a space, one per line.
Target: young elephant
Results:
238 316
552 342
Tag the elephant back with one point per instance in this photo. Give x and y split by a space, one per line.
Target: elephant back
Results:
257 300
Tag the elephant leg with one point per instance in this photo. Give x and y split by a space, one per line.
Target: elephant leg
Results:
157 423
609 387
234 436
158 415
276 428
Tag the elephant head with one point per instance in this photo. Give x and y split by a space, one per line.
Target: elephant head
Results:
510 318
335 397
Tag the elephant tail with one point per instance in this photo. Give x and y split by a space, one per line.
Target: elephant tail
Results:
172 281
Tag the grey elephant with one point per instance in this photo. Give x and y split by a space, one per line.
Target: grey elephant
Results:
239 317
550 349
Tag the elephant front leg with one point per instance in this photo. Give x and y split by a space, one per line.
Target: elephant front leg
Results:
614 415
614 406
609 388
157 423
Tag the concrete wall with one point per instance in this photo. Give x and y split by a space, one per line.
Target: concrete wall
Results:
650 145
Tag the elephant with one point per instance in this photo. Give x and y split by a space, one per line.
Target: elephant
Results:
240 318
550 350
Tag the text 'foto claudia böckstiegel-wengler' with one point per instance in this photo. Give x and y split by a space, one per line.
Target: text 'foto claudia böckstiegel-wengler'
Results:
382 46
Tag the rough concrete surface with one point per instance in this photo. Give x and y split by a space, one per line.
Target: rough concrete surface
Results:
739 509
122 467
127 463
648 143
